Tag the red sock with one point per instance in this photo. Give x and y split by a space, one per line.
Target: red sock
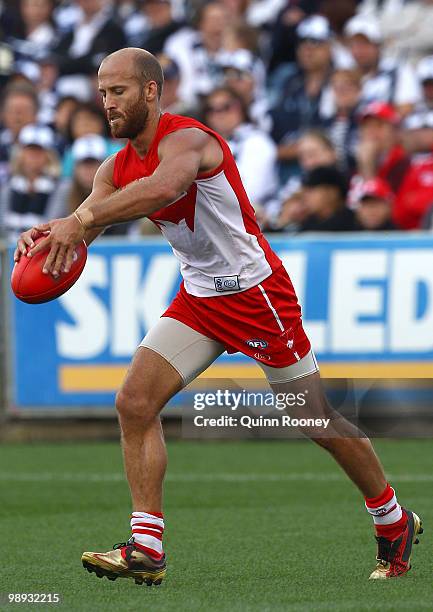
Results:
389 519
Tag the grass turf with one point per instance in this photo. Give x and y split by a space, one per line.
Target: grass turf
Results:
249 526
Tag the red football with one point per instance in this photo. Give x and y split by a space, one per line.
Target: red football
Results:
31 285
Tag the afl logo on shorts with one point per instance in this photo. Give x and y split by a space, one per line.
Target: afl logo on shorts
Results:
256 343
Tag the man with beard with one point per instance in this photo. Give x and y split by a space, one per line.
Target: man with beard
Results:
235 296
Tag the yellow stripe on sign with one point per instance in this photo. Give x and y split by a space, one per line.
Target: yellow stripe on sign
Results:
88 379
108 378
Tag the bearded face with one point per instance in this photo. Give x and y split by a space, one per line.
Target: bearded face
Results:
129 121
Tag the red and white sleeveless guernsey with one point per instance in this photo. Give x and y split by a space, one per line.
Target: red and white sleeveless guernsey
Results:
212 228
235 289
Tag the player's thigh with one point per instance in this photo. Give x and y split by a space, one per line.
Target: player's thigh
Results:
188 351
170 356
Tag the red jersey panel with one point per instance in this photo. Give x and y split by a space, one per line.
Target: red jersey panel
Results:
212 228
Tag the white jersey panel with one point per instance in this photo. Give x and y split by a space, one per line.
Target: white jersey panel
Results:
219 256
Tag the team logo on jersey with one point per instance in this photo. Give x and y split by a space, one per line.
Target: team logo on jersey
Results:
227 283
256 343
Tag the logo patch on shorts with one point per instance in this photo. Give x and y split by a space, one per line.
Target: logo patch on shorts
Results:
256 343
227 283
261 357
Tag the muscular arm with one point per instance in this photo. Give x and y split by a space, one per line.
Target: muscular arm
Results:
182 155
102 188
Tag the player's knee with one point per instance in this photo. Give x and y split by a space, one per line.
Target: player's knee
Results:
131 407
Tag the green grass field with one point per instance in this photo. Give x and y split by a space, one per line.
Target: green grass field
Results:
249 526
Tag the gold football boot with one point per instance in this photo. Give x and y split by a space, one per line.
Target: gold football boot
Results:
126 560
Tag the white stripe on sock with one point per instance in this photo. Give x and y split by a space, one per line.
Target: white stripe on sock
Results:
387 513
144 517
146 539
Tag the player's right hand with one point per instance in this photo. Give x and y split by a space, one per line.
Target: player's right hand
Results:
26 240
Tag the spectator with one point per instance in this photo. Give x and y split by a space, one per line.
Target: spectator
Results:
425 77
300 90
415 195
66 15
380 152
62 116
239 35
292 215
46 89
19 108
338 13
283 34
124 9
253 149
236 9
245 74
314 149
196 52
374 206
150 27
325 192
25 197
342 126
87 119
34 35
407 25
383 80
81 50
170 100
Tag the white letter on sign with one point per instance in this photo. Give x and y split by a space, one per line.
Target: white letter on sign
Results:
411 269
349 301
88 335
137 303
295 262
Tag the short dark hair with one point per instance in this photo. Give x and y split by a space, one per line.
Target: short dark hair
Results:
327 176
149 69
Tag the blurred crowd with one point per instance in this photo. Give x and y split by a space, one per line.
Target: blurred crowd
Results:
327 105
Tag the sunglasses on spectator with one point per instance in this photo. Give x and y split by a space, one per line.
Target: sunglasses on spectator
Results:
234 73
222 108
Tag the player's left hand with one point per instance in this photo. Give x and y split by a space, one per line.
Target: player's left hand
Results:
64 236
